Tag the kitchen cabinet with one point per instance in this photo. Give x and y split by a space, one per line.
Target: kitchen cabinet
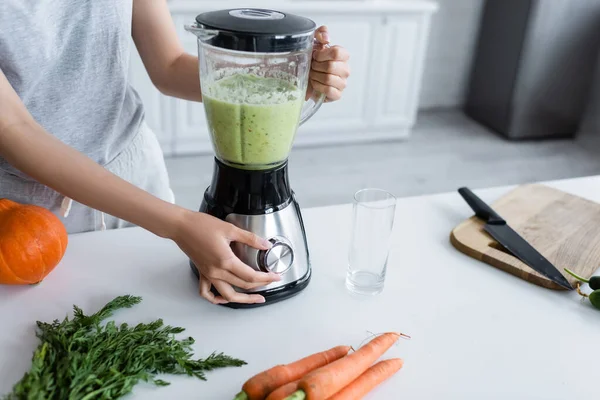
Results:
387 41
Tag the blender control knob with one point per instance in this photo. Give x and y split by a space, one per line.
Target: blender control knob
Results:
278 259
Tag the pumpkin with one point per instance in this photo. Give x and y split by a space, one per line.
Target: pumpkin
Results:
32 242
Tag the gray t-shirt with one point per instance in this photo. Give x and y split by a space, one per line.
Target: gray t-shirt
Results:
68 62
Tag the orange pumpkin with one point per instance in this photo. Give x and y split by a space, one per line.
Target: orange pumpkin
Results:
32 243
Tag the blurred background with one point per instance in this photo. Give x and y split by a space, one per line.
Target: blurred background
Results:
443 93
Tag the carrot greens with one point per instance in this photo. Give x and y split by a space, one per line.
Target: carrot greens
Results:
81 359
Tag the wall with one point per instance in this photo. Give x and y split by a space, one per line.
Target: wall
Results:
590 125
452 40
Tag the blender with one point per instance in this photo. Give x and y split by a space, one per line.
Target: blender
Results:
254 66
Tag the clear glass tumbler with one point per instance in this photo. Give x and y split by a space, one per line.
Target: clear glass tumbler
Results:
372 222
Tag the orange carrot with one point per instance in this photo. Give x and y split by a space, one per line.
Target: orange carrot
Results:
326 381
259 386
369 380
284 391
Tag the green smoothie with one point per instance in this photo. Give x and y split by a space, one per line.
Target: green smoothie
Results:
252 120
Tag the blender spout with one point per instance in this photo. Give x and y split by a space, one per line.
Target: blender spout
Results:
201 33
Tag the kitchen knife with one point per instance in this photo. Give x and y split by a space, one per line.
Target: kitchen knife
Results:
497 227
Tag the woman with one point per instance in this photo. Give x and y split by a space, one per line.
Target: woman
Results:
72 132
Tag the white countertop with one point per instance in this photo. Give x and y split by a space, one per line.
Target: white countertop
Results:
477 332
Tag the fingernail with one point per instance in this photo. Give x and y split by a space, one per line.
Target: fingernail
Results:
276 277
267 243
260 300
325 36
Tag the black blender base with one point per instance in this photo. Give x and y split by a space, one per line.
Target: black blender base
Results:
271 296
252 192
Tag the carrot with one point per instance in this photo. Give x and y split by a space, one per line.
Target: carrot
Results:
326 381
259 386
369 380
284 391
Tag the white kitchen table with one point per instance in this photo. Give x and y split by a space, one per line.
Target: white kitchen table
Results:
477 332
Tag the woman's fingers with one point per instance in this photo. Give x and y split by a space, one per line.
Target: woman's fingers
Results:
330 92
249 238
329 68
329 80
333 53
245 273
339 68
205 292
243 284
241 275
250 275
322 35
329 71
251 280
232 296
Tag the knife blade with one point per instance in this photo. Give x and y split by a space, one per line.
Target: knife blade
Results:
497 227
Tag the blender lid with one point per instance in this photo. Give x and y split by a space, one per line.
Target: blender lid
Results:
257 30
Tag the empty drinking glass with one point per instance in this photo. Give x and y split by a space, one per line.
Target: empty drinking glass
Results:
372 223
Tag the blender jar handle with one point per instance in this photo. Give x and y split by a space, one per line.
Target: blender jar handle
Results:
312 106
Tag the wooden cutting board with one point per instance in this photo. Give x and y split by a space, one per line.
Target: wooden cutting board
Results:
563 228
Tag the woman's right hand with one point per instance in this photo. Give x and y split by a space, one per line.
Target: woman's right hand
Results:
207 241
27 146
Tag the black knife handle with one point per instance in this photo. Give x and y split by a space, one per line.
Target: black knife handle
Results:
481 209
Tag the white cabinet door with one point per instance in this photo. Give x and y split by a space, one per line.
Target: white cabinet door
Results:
348 115
397 76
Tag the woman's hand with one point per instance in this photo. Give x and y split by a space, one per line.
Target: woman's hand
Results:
27 146
329 68
206 240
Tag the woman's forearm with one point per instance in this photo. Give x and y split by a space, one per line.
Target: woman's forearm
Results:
182 79
28 147
173 71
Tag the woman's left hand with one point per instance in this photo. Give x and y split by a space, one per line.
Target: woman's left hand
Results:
329 69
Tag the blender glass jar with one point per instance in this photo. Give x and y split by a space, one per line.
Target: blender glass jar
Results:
254 67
